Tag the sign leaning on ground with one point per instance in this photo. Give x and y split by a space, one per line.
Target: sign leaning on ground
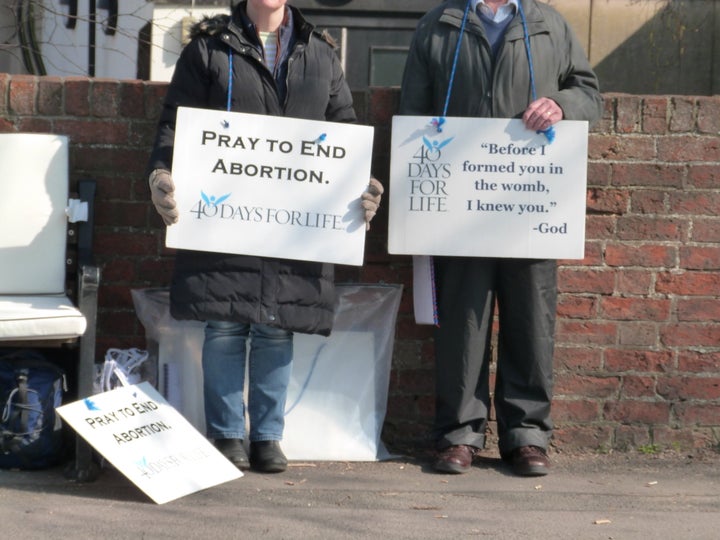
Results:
270 186
149 442
487 188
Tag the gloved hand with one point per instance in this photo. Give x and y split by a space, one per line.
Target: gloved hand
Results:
371 200
162 189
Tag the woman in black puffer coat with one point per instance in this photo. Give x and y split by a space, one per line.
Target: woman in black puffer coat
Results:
245 298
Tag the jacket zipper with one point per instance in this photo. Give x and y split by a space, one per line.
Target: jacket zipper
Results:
299 48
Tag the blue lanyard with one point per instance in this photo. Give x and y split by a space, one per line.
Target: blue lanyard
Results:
549 132
230 79
526 38
455 60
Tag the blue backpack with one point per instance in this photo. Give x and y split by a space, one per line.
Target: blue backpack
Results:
30 429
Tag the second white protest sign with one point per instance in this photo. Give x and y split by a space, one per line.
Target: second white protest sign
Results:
484 187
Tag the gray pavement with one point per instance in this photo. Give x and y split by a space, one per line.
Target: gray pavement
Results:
587 496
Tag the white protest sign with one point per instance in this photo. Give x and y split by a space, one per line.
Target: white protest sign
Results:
149 442
270 186
486 187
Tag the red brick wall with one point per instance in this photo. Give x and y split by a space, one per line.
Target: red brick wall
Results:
638 341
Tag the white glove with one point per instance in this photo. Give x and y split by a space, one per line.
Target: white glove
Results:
162 189
371 200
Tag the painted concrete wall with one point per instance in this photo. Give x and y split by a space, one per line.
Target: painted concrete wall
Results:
650 46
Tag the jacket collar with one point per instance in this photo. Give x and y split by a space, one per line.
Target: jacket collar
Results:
244 29
238 31
453 14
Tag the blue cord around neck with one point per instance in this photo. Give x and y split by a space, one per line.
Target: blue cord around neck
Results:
230 79
455 59
526 38
549 132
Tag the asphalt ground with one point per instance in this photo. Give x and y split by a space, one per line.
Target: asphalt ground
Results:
586 496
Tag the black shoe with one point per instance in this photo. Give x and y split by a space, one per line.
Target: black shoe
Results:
234 451
266 456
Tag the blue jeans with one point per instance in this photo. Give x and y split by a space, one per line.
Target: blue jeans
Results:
223 363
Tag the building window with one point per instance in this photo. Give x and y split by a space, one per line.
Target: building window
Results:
387 65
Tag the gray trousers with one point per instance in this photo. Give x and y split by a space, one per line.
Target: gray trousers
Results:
526 295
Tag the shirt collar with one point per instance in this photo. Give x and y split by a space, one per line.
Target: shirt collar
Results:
503 12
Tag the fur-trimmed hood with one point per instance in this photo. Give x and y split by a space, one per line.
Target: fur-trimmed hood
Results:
210 26
217 24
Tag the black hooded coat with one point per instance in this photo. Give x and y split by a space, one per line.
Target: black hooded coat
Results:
309 84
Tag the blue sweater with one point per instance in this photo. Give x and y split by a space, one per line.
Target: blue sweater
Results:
494 30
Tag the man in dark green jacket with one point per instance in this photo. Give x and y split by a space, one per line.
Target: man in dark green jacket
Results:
515 59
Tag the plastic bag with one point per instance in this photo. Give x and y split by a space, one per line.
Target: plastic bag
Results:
176 349
338 392
339 384
122 367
